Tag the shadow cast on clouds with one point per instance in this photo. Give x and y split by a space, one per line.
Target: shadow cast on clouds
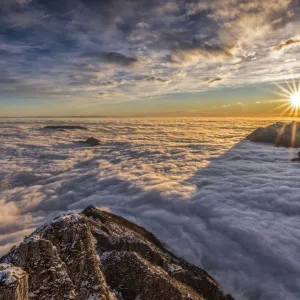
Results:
236 213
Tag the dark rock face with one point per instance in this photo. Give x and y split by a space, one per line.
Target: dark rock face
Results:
98 255
297 159
92 141
65 127
279 134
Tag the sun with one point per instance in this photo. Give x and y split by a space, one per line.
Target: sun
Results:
295 99
290 97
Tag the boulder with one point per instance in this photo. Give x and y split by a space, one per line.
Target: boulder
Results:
279 134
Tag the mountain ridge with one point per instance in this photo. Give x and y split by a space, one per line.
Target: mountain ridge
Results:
96 255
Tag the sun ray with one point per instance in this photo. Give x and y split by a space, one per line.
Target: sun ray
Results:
290 87
290 95
288 109
282 95
291 111
282 106
295 89
283 89
296 112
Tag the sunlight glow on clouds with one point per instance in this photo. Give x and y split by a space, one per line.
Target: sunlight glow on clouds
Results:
116 51
223 203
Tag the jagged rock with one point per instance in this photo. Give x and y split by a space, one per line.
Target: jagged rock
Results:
13 283
64 127
98 255
279 134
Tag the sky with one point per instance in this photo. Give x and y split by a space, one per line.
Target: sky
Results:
140 57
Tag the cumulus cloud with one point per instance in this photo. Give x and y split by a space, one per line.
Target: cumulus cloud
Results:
169 37
219 201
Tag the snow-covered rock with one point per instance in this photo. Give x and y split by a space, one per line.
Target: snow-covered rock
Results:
13 283
98 255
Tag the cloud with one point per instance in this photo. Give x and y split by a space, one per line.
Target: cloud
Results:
43 44
119 58
217 79
6 78
8 214
286 44
167 8
223 203
153 78
193 55
183 50
143 25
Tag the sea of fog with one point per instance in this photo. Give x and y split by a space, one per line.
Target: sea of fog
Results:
225 204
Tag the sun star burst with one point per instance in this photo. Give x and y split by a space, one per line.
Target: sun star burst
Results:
295 99
290 96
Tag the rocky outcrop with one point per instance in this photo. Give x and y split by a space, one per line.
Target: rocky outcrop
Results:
279 134
98 255
13 283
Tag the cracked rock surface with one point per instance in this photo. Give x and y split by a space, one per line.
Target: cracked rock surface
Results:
96 255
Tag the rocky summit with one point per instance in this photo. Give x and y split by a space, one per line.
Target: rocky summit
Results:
279 134
96 255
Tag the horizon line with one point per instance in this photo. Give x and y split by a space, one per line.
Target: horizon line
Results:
151 116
